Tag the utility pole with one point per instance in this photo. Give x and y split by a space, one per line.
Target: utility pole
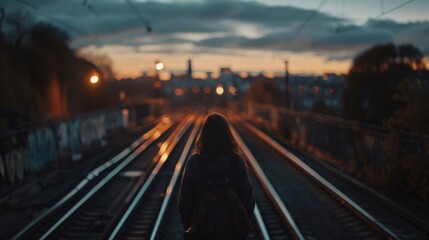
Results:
286 84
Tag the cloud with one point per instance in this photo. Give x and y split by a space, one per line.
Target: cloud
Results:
223 25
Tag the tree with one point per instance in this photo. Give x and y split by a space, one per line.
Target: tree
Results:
38 70
411 117
373 78
2 17
20 21
102 61
53 41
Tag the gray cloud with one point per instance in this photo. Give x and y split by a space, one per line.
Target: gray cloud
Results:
114 23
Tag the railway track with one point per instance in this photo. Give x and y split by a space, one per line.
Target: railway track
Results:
405 224
348 206
292 200
153 215
271 219
93 205
143 218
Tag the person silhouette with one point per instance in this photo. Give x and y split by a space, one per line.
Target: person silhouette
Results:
216 198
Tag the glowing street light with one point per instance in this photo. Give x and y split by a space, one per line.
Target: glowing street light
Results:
159 66
207 89
219 90
233 90
94 79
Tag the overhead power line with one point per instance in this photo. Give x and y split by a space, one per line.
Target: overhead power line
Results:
137 13
377 18
53 19
384 13
313 14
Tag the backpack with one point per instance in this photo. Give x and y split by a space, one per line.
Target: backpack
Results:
220 213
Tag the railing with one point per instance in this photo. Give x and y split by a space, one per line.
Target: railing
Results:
341 139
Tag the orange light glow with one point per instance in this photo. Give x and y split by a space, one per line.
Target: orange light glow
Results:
125 112
164 76
199 75
215 75
233 90
94 79
166 120
207 89
244 74
157 84
122 95
128 62
195 89
178 91
315 89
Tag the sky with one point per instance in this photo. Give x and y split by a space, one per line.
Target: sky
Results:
314 36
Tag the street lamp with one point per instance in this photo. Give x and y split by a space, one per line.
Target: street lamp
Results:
94 79
286 84
219 90
159 65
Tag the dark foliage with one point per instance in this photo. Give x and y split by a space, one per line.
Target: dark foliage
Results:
40 71
373 78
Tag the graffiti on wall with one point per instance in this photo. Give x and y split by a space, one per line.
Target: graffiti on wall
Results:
31 149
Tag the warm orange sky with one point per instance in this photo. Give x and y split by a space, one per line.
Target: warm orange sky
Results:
129 63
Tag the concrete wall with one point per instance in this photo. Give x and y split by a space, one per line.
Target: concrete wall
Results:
28 150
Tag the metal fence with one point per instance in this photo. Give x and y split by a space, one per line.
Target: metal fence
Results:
341 139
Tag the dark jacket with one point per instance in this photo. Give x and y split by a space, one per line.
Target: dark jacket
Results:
193 186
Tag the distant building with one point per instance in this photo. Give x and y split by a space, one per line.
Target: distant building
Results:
189 72
307 91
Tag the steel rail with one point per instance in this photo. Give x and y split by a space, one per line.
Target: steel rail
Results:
174 178
135 146
162 158
323 182
146 140
369 191
271 192
261 223
102 183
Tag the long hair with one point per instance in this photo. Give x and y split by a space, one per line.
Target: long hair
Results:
215 138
